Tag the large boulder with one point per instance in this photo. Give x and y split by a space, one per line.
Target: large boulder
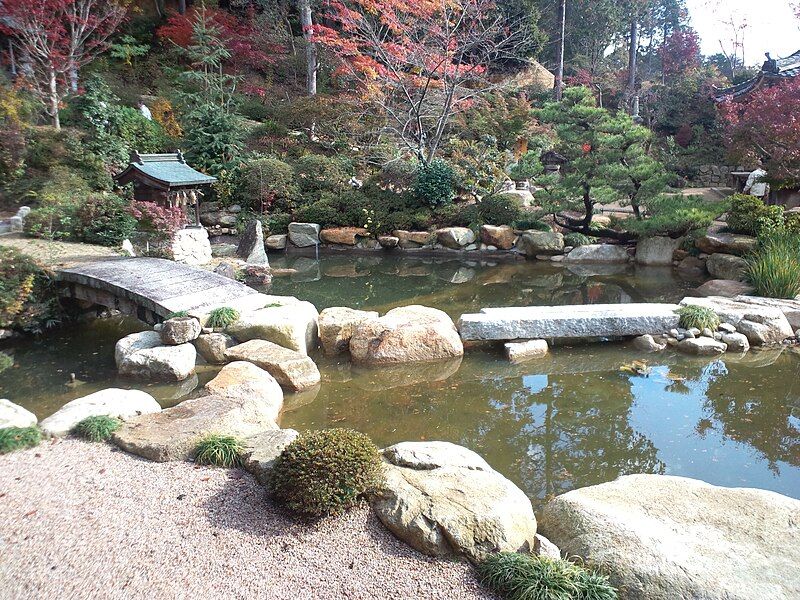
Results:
291 324
212 347
143 356
251 246
598 253
336 326
726 266
291 369
112 402
304 234
261 450
532 243
179 330
722 287
445 500
13 415
499 236
789 308
455 238
692 266
245 381
344 236
413 239
656 250
761 324
406 334
662 537
729 243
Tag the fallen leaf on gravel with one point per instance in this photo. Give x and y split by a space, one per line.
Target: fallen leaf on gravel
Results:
28 514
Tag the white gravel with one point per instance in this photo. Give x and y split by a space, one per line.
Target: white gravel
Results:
80 520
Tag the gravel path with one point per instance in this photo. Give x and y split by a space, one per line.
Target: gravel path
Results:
80 520
57 254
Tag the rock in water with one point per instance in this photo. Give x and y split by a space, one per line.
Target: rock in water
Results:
656 250
702 346
647 343
13 415
291 369
723 287
726 266
406 334
455 238
499 236
180 330
251 247
293 325
303 235
142 355
336 326
212 347
520 351
762 324
245 381
598 253
344 236
276 241
445 500
729 243
662 537
261 451
533 242
113 402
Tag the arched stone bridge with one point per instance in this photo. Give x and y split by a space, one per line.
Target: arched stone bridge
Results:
152 288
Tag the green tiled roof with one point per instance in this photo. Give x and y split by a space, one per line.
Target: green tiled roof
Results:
170 169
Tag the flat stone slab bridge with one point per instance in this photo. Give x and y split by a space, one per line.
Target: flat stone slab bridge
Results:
152 288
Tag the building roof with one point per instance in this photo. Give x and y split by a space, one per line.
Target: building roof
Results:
163 171
782 68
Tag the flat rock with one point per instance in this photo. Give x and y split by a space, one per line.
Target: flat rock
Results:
251 246
261 451
574 321
276 241
413 239
303 235
598 253
336 327
444 500
729 243
736 342
179 330
291 369
661 537
112 402
692 265
532 243
647 343
142 356
520 351
406 334
245 381
293 325
455 238
656 250
789 308
212 347
726 266
702 346
173 433
388 241
13 415
499 236
723 287
761 324
345 236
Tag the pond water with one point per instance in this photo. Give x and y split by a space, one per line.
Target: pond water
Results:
568 420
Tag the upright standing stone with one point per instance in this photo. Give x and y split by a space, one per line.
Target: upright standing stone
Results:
251 247
303 235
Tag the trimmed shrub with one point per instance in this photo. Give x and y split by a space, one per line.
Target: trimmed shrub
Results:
748 215
435 182
179 313
500 209
699 317
278 223
675 215
219 451
265 183
525 224
324 472
774 268
316 174
105 219
18 438
222 317
97 428
517 576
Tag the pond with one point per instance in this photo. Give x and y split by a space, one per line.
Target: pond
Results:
568 420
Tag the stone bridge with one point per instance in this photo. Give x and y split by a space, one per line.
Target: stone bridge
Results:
152 288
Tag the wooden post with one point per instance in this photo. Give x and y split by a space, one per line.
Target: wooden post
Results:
560 71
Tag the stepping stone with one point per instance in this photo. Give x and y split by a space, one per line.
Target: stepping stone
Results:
292 370
113 402
143 356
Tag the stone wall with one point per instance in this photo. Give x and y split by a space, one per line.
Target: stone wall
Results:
219 220
715 176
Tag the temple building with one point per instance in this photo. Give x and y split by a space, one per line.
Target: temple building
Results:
773 70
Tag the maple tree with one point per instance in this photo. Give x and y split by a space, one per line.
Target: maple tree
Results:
764 128
680 52
59 37
419 61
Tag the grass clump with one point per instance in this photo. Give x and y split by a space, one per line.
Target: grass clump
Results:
97 428
576 239
175 315
222 317
324 472
219 451
774 269
698 317
517 576
18 438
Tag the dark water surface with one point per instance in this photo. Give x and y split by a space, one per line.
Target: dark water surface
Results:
568 420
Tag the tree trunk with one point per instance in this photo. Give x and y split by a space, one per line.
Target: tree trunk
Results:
12 58
53 88
632 51
73 79
560 72
182 7
311 48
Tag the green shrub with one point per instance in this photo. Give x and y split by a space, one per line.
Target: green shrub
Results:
97 428
18 438
28 298
578 239
525 224
457 215
53 220
517 576
105 219
791 222
267 183
222 317
500 209
774 268
178 313
278 223
219 451
316 174
699 317
675 215
321 211
749 215
325 472
434 185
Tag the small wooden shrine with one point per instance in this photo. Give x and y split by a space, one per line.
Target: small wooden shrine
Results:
167 180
